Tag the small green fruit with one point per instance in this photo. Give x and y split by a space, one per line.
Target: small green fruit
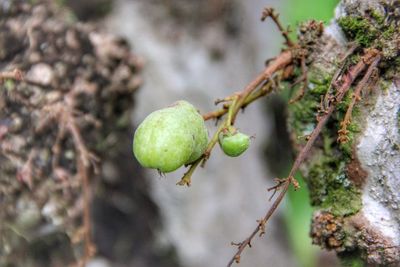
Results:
232 142
171 137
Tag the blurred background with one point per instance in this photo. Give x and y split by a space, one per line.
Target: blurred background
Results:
200 51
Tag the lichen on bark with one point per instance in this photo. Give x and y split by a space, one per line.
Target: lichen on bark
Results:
354 185
326 176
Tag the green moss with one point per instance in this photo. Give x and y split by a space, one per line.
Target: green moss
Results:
319 89
317 77
353 128
343 105
374 31
328 142
347 148
354 59
397 62
378 17
389 32
359 29
351 259
385 85
303 119
330 189
303 112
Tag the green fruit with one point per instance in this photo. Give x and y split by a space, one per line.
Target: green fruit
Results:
232 142
171 137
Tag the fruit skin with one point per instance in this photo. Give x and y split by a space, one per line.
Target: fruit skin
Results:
199 131
171 137
233 142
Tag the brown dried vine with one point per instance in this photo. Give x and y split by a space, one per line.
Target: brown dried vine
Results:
64 114
356 96
16 74
262 84
74 98
342 85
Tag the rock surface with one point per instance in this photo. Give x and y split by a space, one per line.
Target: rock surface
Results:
365 219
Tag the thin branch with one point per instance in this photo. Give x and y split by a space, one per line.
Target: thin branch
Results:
186 179
64 114
281 61
270 12
265 89
237 102
16 74
342 62
89 246
261 225
215 114
343 138
347 80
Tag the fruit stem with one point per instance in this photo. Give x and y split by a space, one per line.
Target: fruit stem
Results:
232 108
187 177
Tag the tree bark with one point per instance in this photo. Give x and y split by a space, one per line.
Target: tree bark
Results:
355 185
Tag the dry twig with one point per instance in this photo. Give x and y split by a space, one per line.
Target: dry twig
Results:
64 114
270 12
356 96
242 99
369 58
16 74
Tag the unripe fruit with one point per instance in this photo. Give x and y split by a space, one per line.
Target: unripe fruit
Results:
232 142
171 137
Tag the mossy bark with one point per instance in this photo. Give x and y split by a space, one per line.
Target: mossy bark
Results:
354 183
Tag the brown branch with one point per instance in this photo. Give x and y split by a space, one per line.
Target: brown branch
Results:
242 99
343 138
85 160
16 74
261 224
215 114
347 80
281 61
342 62
64 114
89 246
270 12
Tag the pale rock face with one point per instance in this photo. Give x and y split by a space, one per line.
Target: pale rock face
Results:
379 153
